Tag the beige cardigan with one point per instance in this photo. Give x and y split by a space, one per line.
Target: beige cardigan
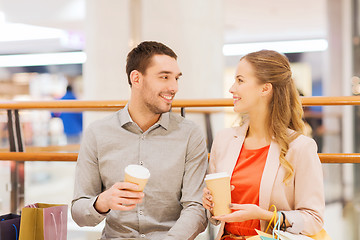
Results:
302 199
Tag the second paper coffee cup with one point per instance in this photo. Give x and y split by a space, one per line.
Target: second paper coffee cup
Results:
219 185
137 174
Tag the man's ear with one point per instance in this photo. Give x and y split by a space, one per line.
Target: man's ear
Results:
267 89
135 77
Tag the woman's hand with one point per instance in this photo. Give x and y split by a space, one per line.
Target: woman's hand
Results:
244 212
207 200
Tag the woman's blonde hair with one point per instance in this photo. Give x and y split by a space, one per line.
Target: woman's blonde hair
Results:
285 106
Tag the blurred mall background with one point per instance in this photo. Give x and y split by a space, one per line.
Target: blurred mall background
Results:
47 45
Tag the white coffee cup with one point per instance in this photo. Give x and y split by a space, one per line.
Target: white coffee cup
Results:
137 174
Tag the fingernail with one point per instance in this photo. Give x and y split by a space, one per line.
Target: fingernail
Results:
231 205
210 198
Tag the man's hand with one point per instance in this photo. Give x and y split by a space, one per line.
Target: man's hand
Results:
121 196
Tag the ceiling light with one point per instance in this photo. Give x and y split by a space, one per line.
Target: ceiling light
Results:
42 59
23 32
297 46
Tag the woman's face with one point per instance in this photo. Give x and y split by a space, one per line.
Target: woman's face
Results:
246 90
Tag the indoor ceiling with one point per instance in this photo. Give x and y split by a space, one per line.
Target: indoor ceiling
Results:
244 20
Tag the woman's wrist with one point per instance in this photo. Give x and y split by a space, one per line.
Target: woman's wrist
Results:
265 215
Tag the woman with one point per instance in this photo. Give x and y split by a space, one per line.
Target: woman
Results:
269 160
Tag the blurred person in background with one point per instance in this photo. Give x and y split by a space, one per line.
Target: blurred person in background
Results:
72 121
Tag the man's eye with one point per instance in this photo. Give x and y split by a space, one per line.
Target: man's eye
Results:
164 77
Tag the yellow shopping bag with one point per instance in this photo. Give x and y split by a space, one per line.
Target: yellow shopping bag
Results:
42 221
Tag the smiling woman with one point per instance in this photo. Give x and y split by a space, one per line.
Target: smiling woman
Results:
262 154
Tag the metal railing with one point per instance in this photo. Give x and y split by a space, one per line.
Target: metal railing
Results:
18 156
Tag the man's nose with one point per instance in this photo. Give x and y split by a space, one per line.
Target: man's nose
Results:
174 86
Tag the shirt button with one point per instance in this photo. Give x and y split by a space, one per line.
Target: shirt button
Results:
141 163
142 137
141 212
142 235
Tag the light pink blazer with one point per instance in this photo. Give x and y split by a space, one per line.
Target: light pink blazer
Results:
302 199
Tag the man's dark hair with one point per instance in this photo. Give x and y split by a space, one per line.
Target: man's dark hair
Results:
139 58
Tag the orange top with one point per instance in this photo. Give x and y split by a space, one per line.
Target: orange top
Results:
246 178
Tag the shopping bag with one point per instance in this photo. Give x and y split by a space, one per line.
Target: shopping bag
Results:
322 235
42 221
9 227
289 236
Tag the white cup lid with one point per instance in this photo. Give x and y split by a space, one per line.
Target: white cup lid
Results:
137 171
216 175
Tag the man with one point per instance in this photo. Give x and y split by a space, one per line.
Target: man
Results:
143 133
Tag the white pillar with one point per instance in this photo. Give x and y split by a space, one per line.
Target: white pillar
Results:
194 30
338 83
107 31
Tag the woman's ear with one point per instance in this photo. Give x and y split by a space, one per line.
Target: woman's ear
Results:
135 77
267 89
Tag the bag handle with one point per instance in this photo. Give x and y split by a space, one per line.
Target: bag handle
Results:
61 220
277 226
16 232
273 218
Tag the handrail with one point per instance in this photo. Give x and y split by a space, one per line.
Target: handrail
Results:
72 157
40 156
77 105
111 105
50 148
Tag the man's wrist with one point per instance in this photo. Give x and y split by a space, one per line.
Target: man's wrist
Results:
99 207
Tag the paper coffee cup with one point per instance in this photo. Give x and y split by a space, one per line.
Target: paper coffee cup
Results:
137 174
219 185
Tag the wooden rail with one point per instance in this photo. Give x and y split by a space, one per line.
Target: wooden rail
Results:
72 157
79 105
76 105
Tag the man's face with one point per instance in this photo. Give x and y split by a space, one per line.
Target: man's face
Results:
160 83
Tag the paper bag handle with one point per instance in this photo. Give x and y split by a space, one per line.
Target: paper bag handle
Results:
273 219
61 220
16 232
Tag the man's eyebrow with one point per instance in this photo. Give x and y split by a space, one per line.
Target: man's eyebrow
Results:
168 72
164 72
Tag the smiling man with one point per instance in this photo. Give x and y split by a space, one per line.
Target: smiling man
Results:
147 134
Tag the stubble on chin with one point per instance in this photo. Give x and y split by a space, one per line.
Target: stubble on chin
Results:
159 110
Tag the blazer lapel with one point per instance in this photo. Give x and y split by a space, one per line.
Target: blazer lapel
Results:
268 178
235 147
